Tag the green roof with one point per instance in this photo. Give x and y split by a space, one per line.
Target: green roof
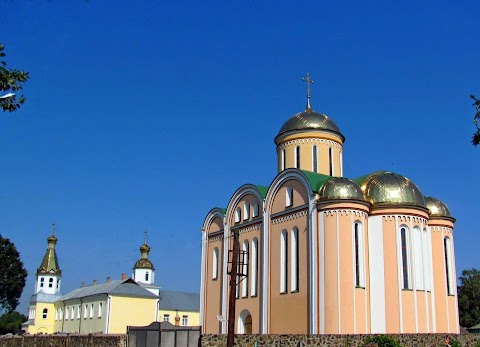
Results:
316 180
224 210
263 190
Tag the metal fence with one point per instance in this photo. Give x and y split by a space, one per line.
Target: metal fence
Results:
163 334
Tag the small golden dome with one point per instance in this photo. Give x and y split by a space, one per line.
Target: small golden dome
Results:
388 188
145 248
341 188
437 207
144 263
52 239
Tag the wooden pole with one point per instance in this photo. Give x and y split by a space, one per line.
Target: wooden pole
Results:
233 290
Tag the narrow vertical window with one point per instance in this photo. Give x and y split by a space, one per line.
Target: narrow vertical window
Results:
425 257
50 283
42 280
146 276
448 265
255 209
357 257
91 310
79 308
289 197
254 266
67 309
294 261
418 258
284 262
238 215
403 235
85 312
100 308
246 211
185 320
61 313
315 159
45 313
297 157
215 264
58 283
56 314
330 161
284 160
245 269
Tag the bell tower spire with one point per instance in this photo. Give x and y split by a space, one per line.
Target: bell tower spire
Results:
49 273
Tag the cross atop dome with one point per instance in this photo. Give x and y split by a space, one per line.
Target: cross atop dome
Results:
308 81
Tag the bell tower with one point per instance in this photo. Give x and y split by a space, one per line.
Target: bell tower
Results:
143 270
49 274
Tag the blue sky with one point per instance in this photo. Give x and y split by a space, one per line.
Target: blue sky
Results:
148 114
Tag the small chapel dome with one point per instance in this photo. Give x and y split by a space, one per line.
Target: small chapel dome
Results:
437 207
341 188
143 264
385 188
145 248
52 239
310 120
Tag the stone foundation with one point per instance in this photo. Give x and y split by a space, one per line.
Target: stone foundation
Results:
64 341
406 340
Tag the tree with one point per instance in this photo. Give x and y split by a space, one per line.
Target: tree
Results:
476 135
12 275
11 81
469 298
11 322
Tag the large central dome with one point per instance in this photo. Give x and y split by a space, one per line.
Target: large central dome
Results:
310 120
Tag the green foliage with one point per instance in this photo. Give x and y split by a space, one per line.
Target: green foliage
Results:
469 298
12 275
382 341
455 343
476 135
11 81
11 322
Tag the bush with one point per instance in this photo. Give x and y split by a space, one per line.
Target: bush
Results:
455 343
382 341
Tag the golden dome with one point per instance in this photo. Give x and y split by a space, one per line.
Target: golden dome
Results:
388 188
310 120
52 239
145 248
144 263
341 188
437 207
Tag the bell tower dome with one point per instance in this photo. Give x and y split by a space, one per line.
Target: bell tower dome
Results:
143 270
49 273
310 141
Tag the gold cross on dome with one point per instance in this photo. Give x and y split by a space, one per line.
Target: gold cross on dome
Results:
308 81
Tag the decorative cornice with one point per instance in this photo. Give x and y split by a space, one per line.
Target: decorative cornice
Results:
254 227
289 217
309 140
440 229
215 238
345 212
406 219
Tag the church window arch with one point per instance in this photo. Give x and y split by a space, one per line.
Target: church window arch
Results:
359 254
295 260
404 237
246 210
284 160
67 310
448 265
314 159
256 209
91 310
238 215
254 267
58 283
146 276
284 261
45 313
50 283
215 264
289 197
85 311
245 269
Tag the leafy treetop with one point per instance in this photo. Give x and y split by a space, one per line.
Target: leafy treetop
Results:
11 82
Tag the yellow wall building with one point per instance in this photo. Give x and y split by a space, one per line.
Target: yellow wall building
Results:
328 254
179 308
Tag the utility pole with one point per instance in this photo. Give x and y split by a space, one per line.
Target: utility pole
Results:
233 290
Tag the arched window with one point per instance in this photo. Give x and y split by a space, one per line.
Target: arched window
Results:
359 255
146 276
284 160
91 310
297 157
425 257
56 314
256 209
315 159
50 283
254 267
79 308
330 161
67 309
58 283
85 311
238 215
245 269
405 260
289 197
42 280
100 309
246 211
417 247
215 264
45 313
294 270
284 262
448 264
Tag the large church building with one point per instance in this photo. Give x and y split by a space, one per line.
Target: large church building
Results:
329 254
